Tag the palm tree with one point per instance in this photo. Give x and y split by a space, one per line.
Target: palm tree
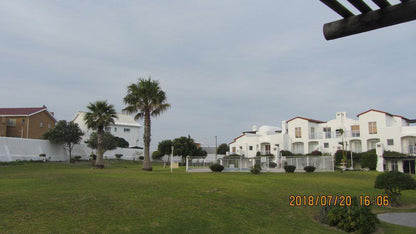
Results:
145 99
101 114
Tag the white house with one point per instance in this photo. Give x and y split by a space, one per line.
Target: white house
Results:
125 127
370 130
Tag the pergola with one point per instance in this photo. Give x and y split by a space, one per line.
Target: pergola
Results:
368 19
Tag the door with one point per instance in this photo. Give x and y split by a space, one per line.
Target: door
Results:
409 166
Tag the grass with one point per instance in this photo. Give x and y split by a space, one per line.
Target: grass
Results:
74 198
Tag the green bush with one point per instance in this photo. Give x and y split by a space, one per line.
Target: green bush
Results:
393 182
272 164
354 218
157 154
286 153
393 154
289 168
309 168
216 168
118 156
77 158
256 169
141 157
338 157
369 159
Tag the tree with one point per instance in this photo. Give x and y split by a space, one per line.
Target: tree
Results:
66 133
165 147
186 146
121 142
101 114
223 149
146 99
108 142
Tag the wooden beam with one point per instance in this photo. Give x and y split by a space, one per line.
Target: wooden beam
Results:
338 8
382 3
360 5
396 14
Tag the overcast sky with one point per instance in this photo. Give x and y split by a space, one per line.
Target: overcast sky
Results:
225 65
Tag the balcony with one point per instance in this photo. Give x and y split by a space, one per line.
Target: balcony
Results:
333 134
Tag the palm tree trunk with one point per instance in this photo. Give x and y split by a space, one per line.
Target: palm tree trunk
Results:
99 163
146 140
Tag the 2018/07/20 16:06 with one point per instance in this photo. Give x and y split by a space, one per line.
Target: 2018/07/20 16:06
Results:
334 200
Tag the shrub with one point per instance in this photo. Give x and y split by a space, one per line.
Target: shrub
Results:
77 158
309 168
289 168
369 159
157 154
216 167
42 155
393 182
141 157
316 153
286 153
393 154
118 156
354 218
272 164
256 169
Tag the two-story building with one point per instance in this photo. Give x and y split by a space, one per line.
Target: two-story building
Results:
300 135
124 127
31 122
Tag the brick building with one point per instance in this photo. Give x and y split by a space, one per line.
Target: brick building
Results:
30 122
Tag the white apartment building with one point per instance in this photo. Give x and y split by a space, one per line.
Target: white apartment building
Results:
124 126
371 129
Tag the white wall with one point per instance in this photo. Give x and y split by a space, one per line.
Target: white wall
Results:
13 149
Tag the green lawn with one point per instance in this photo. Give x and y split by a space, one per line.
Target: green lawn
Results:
64 198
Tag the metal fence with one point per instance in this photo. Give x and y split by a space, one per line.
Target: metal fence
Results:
236 164
321 163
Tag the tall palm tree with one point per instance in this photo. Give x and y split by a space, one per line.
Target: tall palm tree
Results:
145 99
101 114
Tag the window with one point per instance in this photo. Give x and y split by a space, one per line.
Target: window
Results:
372 127
115 129
312 136
394 165
326 145
355 130
339 132
298 132
11 122
127 130
327 132
41 124
23 121
250 148
108 129
390 142
49 126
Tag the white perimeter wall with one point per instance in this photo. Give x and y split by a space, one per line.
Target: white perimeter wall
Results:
12 149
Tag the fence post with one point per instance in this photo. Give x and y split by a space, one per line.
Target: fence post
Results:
187 163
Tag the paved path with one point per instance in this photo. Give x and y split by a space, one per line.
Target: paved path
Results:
405 219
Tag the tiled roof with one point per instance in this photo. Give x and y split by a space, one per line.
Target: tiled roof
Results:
307 119
383 112
20 111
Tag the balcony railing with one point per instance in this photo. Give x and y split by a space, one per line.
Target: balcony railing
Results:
412 150
333 134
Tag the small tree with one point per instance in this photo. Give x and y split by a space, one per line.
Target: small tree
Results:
223 148
165 147
108 142
66 133
393 182
121 142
